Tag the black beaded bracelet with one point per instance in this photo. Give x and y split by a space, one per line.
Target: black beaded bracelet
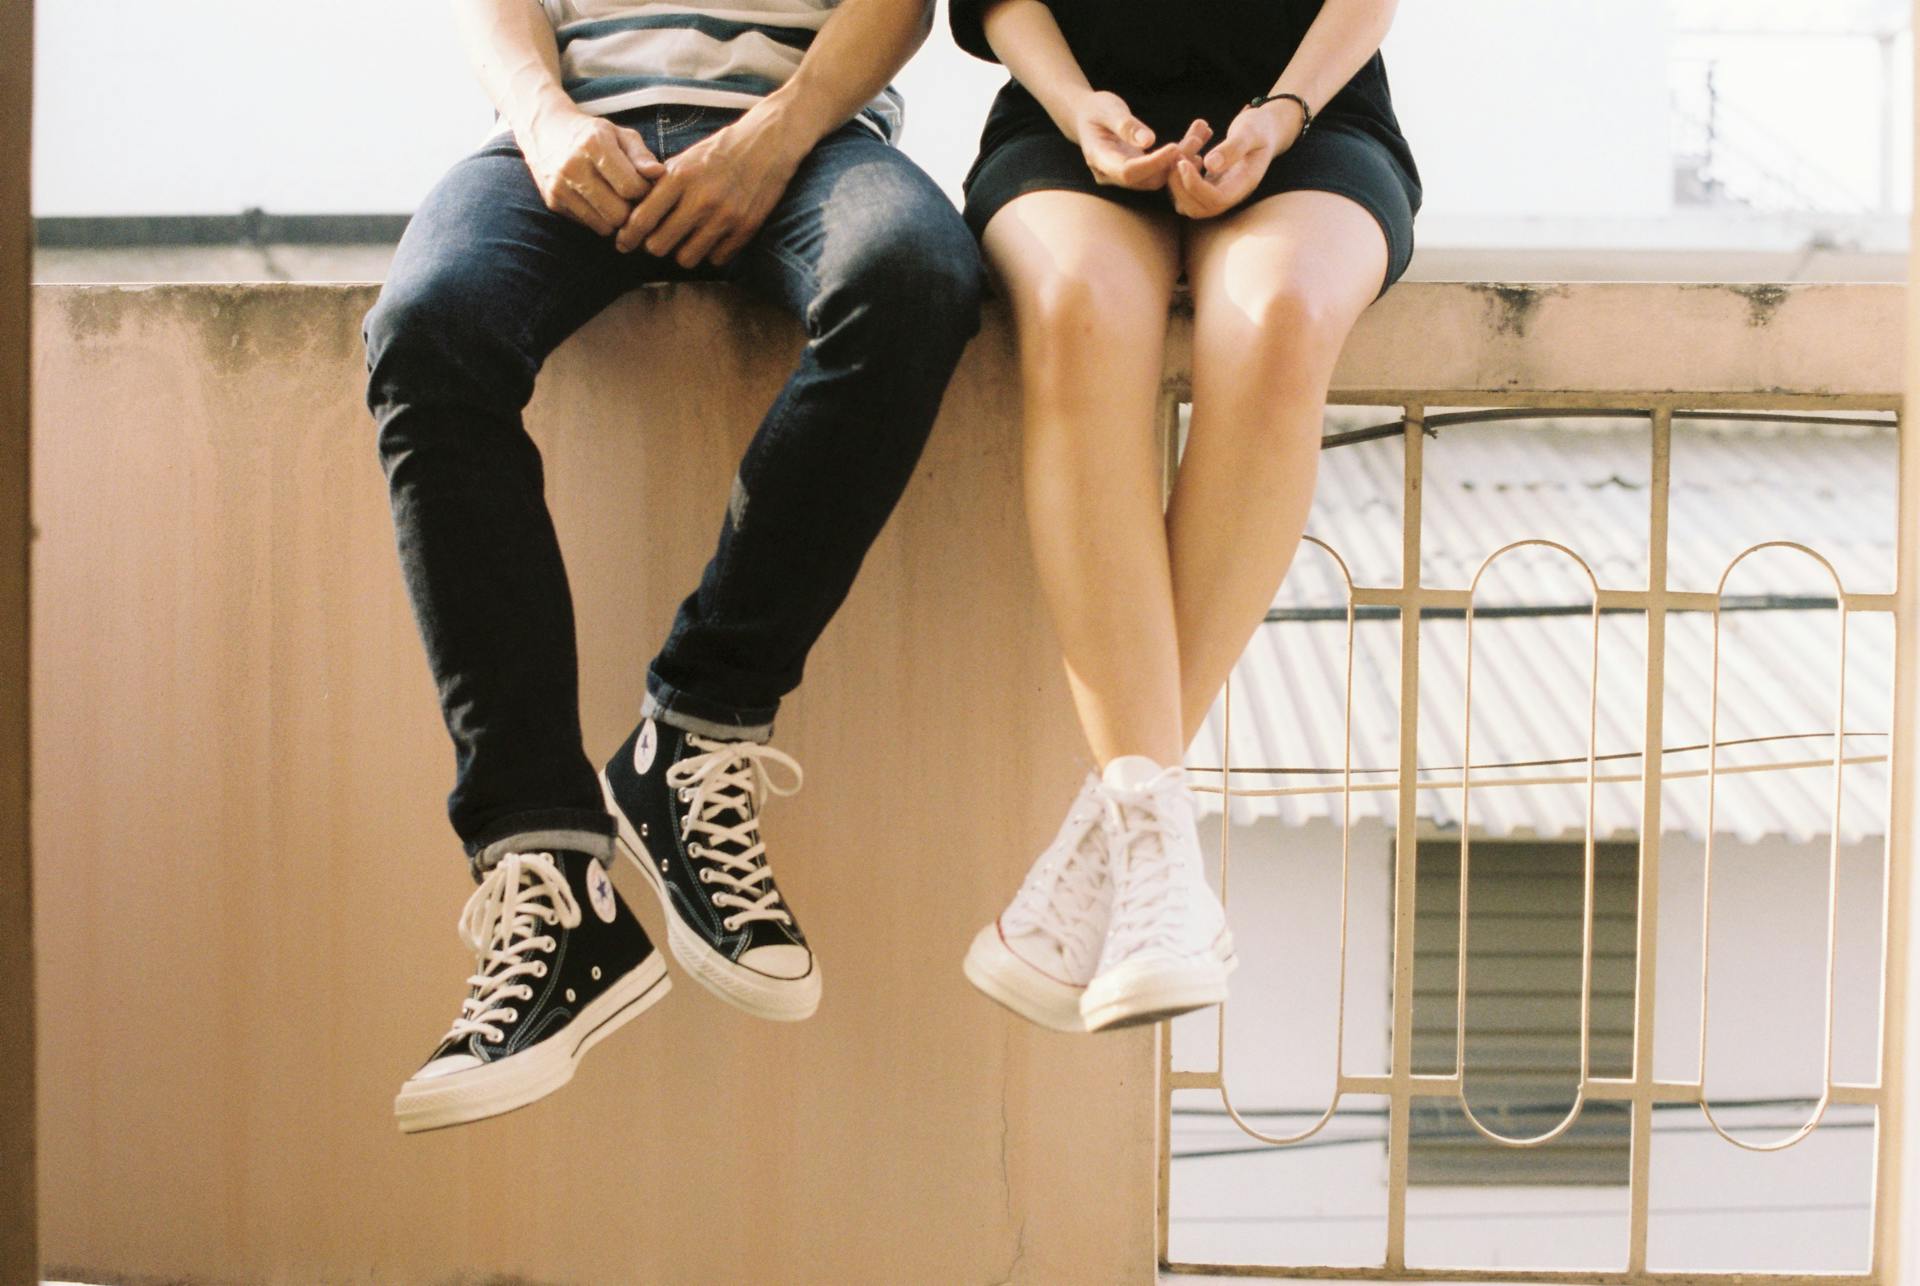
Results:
1306 113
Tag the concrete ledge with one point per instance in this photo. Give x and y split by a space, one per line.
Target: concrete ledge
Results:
245 889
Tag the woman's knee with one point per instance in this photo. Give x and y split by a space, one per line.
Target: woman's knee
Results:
1294 328
1073 312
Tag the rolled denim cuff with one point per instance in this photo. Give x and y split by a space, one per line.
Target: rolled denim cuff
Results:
671 706
573 829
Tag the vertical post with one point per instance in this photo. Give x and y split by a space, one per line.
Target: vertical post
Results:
1651 762
19 1259
1897 1222
1406 845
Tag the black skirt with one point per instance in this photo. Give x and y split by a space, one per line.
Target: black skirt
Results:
1330 157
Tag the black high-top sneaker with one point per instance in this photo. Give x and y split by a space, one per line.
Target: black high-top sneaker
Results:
562 965
687 808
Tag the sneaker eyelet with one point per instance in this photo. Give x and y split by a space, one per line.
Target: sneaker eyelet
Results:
569 995
539 968
730 924
705 876
596 973
511 1016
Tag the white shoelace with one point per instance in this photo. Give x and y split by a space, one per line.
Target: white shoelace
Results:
1151 883
1064 894
731 776
524 895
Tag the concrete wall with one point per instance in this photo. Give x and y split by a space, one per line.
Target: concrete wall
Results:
246 890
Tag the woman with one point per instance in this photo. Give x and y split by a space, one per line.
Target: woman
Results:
1252 145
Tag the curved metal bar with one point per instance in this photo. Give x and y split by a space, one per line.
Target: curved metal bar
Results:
1346 836
1833 853
1498 414
1466 827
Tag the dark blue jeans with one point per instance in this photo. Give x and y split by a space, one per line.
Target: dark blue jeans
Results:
863 249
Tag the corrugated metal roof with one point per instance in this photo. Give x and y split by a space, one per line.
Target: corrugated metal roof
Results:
1585 485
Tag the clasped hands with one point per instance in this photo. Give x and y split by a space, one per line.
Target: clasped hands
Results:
1120 151
703 205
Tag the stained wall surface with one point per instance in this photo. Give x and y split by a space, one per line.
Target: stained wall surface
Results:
246 891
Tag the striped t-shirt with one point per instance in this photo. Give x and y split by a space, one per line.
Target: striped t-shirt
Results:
617 54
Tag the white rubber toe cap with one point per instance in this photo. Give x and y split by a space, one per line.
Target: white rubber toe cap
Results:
785 962
445 1067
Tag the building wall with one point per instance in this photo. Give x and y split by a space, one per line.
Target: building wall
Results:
1714 1205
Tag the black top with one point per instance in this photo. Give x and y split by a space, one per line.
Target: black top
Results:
1175 60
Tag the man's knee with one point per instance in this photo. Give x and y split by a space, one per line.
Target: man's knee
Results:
918 275
432 337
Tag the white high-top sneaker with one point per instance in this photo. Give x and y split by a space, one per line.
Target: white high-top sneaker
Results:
1167 949
1037 956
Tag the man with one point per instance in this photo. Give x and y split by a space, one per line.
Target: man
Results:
645 142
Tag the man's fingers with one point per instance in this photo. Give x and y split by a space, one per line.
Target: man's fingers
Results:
645 163
614 166
675 229
581 211
583 180
698 246
732 245
647 216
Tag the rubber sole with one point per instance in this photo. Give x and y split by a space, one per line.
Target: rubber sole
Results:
494 1089
1134 998
1007 980
778 999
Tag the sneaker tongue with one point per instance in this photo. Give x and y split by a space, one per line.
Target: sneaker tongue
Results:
1130 772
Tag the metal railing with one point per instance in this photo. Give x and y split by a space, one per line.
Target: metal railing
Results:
1642 1092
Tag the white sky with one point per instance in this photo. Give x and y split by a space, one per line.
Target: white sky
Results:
1514 107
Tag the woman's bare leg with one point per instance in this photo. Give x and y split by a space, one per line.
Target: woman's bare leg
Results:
1090 282
1276 289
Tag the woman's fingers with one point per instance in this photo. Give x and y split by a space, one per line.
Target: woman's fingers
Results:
1151 170
1196 138
1193 195
1105 157
1229 154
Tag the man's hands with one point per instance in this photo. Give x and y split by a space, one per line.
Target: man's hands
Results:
715 195
1235 167
1116 144
588 168
704 204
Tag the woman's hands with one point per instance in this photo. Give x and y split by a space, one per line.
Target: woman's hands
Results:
1236 166
1120 152
1116 144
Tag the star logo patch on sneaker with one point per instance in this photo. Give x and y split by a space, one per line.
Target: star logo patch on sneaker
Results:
600 892
645 747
